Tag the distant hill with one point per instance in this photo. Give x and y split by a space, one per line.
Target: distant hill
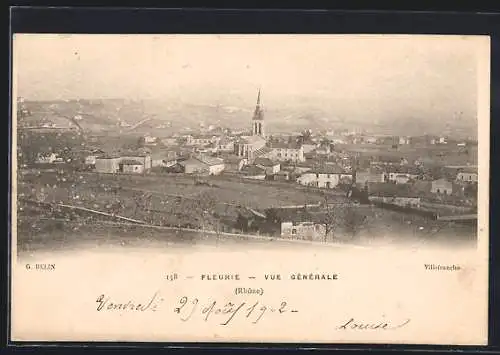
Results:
157 117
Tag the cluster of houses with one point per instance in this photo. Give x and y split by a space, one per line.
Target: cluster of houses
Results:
304 160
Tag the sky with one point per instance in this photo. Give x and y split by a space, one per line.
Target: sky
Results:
355 75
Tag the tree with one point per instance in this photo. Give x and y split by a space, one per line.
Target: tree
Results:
330 217
340 214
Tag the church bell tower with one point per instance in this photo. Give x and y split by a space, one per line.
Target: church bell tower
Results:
258 119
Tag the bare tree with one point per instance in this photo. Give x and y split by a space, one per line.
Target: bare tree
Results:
340 214
331 216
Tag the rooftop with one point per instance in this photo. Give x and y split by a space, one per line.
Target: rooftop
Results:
253 170
327 169
265 162
285 145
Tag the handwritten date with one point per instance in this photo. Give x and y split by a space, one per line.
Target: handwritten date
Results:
226 312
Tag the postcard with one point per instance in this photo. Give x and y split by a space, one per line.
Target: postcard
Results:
250 188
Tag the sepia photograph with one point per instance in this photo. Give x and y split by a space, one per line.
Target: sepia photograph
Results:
217 158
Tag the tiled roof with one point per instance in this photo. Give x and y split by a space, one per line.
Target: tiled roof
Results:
210 160
265 162
253 170
328 169
262 151
285 145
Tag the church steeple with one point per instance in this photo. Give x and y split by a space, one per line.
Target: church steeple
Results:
258 119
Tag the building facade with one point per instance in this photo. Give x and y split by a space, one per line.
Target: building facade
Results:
292 152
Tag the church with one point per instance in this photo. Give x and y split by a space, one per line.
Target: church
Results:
254 146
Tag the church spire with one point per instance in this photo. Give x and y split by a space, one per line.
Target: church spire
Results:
258 118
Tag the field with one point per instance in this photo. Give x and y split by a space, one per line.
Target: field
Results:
121 195
435 154
258 195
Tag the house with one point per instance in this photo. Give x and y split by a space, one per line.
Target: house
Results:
44 158
324 149
168 141
203 165
150 140
442 186
302 230
387 160
402 174
129 166
395 194
401 179
234 163
404 140
254 172
469 175
371 175
325 177
107 164
309 147
201 140
141 155
281 151
298 224
225 145
163 159
268 165
90 160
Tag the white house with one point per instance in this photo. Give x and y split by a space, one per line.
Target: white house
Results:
108 164
150 140
442 186
169 141
202 140
309 147
44 158
402 174
268 165
203 165
287 152
90 159
324 177
225 145
303 231
467 175
371 175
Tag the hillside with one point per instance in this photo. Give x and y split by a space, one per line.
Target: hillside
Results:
166 117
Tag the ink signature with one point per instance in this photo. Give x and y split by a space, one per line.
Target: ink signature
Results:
354 324
227 311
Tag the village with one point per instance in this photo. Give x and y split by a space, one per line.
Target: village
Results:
317 186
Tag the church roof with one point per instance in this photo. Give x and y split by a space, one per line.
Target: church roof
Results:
262 151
